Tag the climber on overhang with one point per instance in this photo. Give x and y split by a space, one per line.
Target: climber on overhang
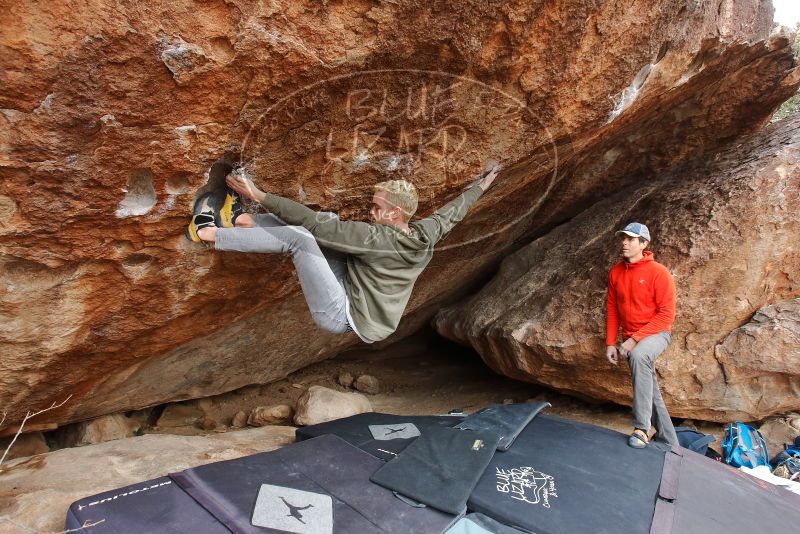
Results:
356 276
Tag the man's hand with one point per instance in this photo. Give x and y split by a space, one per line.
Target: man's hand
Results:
612 354
627 346
245 187
487 180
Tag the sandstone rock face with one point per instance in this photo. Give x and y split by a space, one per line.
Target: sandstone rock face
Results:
116 116
726 226
320 404
35 499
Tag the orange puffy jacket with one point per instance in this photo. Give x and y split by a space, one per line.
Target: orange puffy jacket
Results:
640 297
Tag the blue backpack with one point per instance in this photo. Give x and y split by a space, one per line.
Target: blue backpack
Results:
744 446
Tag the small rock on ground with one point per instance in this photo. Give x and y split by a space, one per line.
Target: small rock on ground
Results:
345 380
320 404
270 415
239 420
367 384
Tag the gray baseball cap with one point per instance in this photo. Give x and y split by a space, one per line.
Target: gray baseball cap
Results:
635 229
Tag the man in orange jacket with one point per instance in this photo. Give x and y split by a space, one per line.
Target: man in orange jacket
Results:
641 299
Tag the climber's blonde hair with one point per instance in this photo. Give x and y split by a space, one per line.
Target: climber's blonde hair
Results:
401 194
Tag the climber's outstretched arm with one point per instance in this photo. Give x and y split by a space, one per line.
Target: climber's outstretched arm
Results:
445 218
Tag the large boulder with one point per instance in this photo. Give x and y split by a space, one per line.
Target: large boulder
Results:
761 360
116 116
726 226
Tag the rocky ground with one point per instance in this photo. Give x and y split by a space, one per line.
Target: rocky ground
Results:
421 375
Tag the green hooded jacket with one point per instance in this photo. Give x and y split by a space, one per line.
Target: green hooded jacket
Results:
382 262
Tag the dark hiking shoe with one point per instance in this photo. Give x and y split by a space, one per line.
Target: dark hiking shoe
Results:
638 439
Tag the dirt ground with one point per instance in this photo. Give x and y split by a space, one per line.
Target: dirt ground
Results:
421 375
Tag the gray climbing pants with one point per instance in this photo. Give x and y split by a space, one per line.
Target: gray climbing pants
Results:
321 272
648 405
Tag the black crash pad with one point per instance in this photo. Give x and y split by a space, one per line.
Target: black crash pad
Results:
440 468
562 476
157 506
505 420
327 490
386 444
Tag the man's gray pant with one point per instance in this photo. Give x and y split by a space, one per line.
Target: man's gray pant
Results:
648 405
321 273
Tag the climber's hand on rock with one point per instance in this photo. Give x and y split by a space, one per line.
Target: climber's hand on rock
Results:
487 180
627 346
612 354
245 187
